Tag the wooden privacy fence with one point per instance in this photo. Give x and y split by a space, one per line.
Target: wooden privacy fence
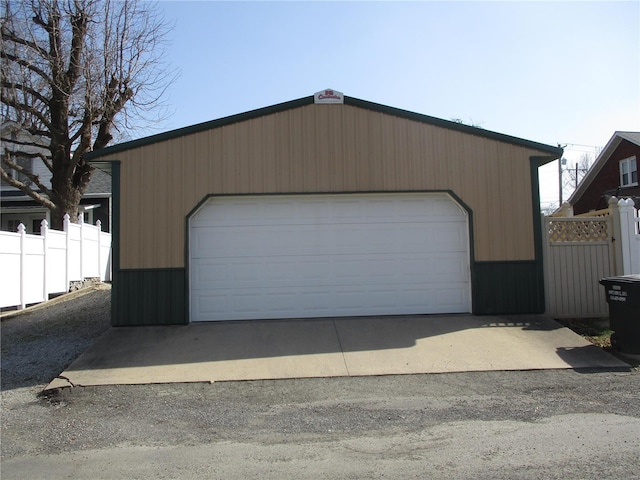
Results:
579 251
32 267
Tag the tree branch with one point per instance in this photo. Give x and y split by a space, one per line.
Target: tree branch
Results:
26 64
26 89
45 159
8 35
25 108
41 199
79 29
84 133
20 169
27 143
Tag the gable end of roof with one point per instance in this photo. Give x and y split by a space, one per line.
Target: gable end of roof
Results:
355 102
600 162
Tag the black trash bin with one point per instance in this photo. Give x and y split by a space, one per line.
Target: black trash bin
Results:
623 297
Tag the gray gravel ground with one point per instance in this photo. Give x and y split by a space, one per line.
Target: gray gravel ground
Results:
40 340
532 424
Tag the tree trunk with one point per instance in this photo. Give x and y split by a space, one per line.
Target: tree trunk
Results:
66 201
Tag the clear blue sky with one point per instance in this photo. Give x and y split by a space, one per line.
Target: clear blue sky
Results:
552 72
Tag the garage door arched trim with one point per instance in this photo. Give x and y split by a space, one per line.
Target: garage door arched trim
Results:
328 254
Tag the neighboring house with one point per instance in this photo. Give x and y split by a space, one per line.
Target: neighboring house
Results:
324 206
614 173
16 207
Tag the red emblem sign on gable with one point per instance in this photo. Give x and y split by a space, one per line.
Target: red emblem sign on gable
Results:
329 96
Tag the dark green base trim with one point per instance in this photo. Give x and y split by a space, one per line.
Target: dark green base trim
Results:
507 287
149 297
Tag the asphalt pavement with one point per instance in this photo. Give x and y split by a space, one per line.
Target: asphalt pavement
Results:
552 424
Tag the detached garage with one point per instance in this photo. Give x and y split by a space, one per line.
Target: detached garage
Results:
324 206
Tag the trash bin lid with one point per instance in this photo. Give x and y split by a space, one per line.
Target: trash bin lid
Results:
630 279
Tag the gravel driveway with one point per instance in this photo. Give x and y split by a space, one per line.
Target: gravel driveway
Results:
529 424
40 342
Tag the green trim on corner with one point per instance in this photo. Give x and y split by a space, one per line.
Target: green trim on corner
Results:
115 238
535 163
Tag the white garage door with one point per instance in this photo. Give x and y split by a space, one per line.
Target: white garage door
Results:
301 256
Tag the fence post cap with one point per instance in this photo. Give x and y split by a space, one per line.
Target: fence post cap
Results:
21 228
566 209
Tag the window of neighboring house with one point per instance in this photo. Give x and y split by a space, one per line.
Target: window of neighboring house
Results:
31 221
12 224
26 163
628 172
36 225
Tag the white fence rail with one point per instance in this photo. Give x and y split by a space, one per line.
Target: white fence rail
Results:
34 266
579 251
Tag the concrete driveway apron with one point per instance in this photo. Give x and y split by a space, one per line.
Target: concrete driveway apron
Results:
276 349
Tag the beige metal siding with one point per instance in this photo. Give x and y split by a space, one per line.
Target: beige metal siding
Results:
322 148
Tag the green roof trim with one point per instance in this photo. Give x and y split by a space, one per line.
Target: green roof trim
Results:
355 102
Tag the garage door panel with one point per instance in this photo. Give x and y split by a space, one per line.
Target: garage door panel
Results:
207 242
207 273
291 270
271 303
207 305
342 239
328 255
336 270
449 295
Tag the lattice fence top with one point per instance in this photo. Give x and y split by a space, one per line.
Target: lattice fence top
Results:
579 230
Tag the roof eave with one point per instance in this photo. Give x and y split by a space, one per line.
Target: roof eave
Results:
200 127
555 152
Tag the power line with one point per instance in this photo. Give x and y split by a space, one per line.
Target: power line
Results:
581 145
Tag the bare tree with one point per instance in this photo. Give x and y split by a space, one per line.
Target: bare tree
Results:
572 175
75 73
470 123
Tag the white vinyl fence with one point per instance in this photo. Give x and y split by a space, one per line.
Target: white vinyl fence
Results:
581 250
628 230
34 266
